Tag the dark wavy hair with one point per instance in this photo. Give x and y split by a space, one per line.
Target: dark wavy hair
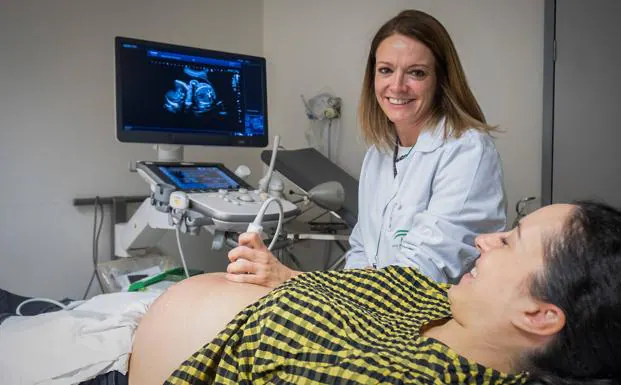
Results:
582 276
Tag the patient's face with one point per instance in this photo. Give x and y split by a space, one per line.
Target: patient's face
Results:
497 287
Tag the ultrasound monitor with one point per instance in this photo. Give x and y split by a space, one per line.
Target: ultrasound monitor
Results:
171 94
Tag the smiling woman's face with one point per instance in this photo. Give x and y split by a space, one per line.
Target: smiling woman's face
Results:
496 289
405 80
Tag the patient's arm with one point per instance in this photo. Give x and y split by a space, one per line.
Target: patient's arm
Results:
182 320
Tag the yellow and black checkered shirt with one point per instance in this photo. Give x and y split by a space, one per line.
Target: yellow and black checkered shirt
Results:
339 327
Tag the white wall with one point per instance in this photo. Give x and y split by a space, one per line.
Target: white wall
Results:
322 45
57 120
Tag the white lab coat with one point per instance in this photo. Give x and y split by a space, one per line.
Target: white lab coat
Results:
447 191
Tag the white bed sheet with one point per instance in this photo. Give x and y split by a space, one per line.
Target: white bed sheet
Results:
68 347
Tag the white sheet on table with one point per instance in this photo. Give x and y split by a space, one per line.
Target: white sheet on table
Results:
68 347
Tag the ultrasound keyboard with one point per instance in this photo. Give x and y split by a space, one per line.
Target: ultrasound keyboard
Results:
216 192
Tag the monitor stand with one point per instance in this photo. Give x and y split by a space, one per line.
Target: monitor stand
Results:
169 152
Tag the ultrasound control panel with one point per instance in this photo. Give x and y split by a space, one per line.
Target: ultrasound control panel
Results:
216 192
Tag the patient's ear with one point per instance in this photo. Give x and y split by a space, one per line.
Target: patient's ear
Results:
539 318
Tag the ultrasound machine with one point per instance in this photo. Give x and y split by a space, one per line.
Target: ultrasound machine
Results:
171 96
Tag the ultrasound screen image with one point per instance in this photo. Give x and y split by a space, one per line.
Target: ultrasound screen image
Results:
173 92
198 96
171 96
199 178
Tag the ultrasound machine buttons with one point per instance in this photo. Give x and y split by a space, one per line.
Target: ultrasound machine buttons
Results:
245 198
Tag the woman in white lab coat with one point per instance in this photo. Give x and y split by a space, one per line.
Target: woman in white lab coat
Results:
431 180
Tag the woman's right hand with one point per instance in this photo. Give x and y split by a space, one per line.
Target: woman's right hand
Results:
252 262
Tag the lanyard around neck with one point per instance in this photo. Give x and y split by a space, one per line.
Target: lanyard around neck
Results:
396 159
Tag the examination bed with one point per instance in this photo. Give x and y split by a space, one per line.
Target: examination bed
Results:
307 168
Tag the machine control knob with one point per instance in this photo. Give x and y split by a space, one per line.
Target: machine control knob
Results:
245 198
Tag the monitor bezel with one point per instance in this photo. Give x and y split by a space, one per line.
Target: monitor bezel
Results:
152 137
